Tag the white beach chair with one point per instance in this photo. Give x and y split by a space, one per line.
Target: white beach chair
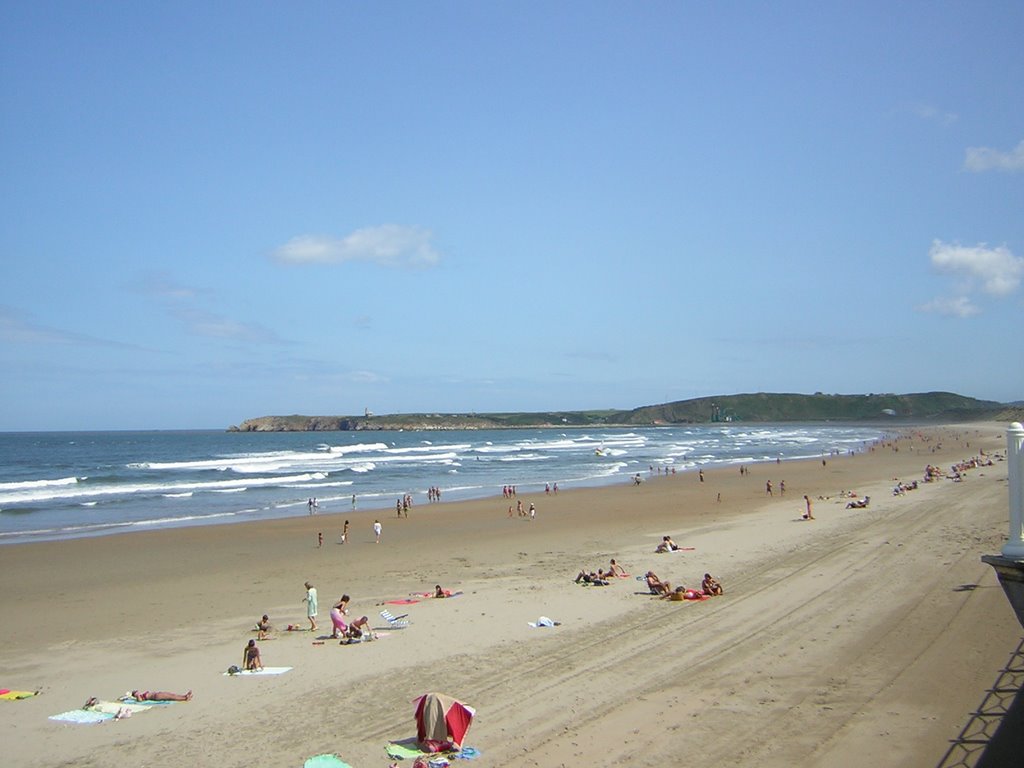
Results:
395 622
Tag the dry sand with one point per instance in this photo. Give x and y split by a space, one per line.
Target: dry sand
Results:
864 637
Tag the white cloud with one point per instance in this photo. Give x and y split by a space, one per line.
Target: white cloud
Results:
389 245
980 159
997 270
955 307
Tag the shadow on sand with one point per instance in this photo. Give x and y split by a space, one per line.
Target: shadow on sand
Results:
994 735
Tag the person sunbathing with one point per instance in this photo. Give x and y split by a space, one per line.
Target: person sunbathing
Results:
710 585
262 627
656 585
438 592
599 579
861 504
616 570
251 660
683 593
161 695
667 545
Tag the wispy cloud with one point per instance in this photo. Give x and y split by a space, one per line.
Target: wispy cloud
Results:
960 306
200 322
162 286
20 328
389 245
981 159
930 112
181 302
975 269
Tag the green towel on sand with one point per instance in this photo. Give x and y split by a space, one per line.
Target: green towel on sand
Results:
325 761
401 751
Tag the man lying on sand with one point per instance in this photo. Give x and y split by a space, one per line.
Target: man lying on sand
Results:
599 579
160 696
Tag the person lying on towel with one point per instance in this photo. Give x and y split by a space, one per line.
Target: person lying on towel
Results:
160 696
594 579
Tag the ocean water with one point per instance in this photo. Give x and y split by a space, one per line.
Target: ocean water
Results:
56 485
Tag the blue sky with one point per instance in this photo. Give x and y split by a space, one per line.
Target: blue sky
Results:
216 211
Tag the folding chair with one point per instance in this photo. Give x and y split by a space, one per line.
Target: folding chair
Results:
395 622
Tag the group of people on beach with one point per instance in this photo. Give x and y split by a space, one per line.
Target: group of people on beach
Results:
709 587
601 577
521 511
347 632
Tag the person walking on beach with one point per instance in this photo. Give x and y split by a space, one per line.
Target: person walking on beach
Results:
807 514
311 606
377 529
768 488
319 539
533 512
344 532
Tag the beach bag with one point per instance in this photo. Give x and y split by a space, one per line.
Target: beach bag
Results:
233 670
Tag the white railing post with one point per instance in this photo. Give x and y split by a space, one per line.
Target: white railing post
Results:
1014 549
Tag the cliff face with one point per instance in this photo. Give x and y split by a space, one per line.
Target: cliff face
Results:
759 407
298 424
358 423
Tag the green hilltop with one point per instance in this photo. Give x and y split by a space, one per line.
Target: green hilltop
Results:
759 407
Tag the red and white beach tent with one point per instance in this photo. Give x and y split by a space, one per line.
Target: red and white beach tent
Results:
441 718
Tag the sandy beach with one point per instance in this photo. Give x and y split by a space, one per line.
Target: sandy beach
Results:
862 637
